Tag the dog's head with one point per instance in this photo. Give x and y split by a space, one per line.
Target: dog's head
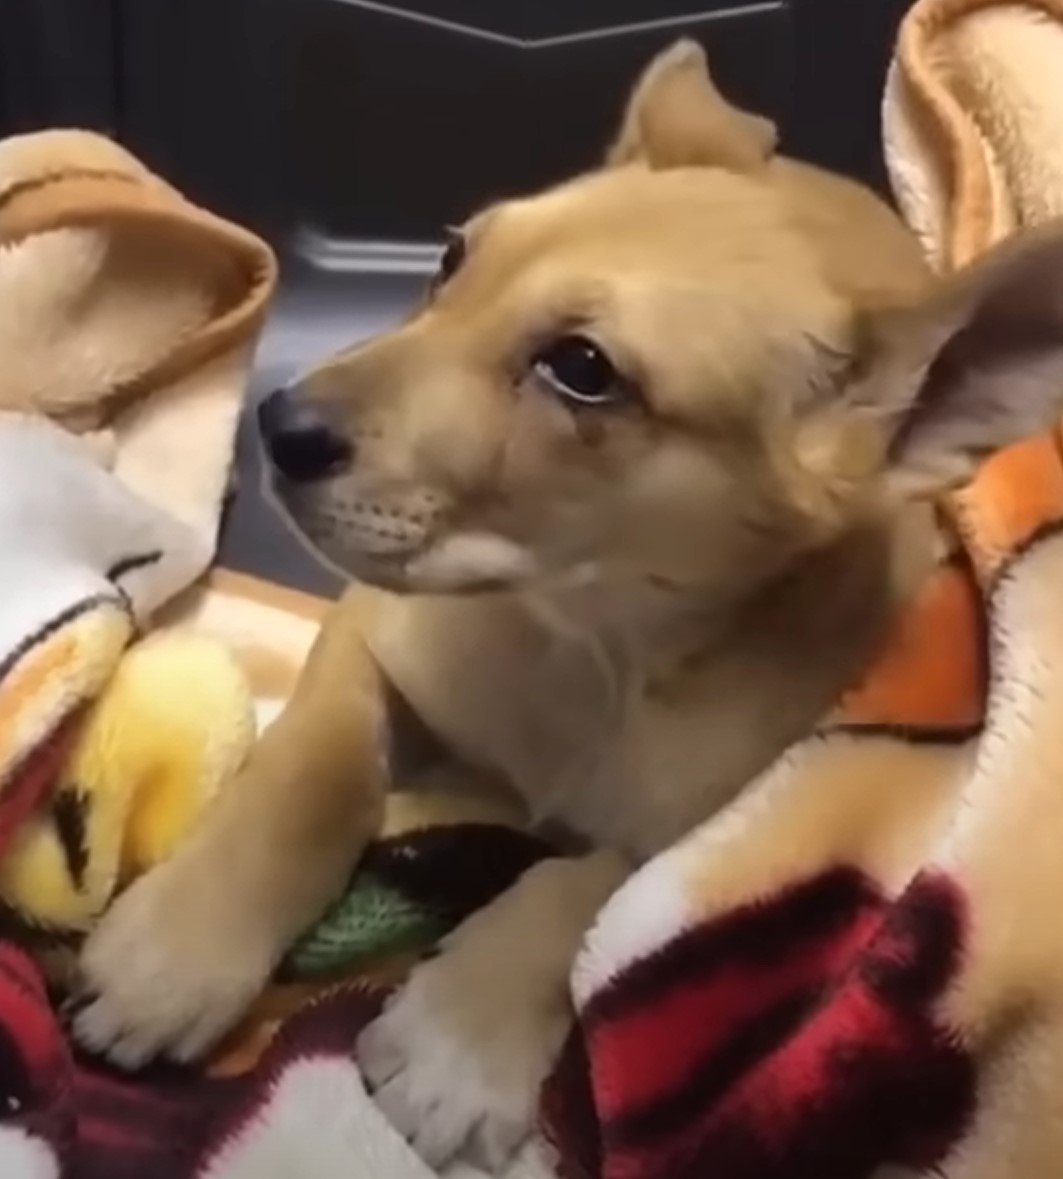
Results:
691 364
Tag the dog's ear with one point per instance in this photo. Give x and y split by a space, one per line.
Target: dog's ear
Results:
975 367
676 118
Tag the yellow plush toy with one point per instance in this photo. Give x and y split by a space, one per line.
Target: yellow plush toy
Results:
174 723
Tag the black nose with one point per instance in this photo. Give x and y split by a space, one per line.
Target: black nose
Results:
299 439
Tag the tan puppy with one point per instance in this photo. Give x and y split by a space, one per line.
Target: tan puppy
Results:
649 473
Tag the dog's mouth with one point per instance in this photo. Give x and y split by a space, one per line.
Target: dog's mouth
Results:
403 544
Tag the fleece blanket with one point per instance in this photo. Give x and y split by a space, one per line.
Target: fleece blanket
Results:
129 317
971 120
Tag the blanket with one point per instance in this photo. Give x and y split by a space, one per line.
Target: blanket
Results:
129 317
971 121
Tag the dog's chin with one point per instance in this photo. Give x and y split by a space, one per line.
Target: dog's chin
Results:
462 563
469 562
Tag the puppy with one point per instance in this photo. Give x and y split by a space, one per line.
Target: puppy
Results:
641 486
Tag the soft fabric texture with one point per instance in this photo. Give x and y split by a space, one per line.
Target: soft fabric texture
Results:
129 316
973 121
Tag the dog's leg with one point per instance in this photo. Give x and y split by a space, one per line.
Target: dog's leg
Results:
458 1058
185 950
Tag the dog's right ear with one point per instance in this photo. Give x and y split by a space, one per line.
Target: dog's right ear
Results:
941 385
676 118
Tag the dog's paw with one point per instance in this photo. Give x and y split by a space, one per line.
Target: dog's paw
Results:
168 971
456 1071
457 1060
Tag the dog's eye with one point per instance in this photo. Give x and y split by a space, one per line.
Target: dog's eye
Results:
579 371
452 257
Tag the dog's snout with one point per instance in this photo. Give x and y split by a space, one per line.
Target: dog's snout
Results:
300 440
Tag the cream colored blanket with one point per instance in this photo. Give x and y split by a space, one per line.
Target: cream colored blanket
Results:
973 121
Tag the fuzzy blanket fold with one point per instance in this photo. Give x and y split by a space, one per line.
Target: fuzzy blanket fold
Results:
129 317
972 119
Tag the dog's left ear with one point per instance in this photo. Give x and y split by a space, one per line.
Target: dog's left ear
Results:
676 118
975 367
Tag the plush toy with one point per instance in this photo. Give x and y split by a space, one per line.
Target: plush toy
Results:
172 725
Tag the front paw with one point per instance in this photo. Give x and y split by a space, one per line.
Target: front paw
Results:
457 1060
456 1072
171 967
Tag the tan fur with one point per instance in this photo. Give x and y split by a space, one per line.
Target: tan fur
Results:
623 613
